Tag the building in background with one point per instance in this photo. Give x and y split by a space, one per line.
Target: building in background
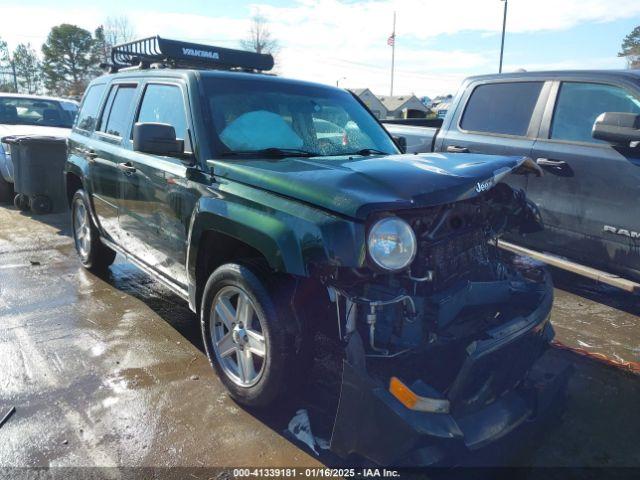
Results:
441 109
440 99
400 106
404 106
371 101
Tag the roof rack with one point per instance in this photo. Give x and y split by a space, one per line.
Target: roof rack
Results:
164 53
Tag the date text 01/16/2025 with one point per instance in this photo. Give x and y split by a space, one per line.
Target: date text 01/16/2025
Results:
316 472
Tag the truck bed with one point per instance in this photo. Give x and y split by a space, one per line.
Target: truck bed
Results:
419 139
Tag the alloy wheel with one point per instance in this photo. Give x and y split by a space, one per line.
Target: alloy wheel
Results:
237 336
81 228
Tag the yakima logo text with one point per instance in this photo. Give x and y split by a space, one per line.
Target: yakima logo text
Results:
192 52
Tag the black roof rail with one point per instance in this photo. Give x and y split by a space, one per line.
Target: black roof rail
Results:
176 54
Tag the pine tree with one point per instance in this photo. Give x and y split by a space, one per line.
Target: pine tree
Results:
69 60
631 48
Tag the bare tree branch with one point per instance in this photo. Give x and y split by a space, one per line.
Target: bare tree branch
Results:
260 39
118 30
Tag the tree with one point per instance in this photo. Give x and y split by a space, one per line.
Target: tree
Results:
69 60
7 79
631 48
260 39
118 30
115 30
102 49
28 69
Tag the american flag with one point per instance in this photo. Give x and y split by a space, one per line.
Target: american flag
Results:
391 40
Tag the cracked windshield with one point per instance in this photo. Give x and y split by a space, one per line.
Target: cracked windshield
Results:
251 116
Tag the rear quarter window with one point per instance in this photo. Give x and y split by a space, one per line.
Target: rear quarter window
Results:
501 108
88 115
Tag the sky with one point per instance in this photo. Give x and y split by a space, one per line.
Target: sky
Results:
438 42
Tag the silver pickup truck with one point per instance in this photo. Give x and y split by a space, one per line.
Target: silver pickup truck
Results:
582 128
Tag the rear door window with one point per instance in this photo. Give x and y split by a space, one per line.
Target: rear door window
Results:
88 116
117 112
501 108
164 104
579 104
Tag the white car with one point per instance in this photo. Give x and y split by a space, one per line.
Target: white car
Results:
30 115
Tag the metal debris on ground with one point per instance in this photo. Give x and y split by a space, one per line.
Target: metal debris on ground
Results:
6 416
300 427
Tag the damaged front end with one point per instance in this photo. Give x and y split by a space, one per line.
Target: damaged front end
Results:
443 354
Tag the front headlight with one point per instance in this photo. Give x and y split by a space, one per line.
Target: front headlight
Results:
392 243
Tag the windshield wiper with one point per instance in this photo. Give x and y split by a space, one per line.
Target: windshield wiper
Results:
368 151
272 152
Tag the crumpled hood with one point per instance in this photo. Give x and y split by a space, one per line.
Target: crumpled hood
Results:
356 186
9 130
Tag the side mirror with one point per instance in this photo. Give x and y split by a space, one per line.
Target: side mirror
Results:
617 128
157 139
401 142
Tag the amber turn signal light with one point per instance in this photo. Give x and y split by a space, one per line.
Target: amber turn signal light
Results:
415 402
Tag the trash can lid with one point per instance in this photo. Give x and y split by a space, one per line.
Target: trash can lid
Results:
15 139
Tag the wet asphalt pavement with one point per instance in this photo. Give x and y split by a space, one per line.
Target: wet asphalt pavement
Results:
111 372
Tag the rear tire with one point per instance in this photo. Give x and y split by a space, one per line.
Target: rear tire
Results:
6 191
230 338
94 255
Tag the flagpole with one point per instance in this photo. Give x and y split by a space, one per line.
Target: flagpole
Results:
504 27
393 52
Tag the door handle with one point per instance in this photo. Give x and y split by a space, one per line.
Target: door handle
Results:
91 155
456 149
545 162
127 168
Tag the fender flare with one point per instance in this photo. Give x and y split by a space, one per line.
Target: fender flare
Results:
293 238
80 171
265 233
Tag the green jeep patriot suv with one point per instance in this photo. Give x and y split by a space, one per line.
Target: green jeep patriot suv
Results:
280 209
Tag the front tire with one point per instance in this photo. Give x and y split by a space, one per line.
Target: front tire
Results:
249 337
94 255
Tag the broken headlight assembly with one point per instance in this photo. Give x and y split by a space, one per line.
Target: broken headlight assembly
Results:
392 244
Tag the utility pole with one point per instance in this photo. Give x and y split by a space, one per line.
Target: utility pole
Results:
504 27
392 42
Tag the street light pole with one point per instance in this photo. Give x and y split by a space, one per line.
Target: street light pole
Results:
338 81
504 27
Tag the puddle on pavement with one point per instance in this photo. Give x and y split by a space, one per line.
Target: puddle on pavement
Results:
143 361
596 317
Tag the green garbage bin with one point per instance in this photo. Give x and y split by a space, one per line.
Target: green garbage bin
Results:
38 163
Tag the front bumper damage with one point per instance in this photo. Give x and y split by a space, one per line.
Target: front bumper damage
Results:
505 379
